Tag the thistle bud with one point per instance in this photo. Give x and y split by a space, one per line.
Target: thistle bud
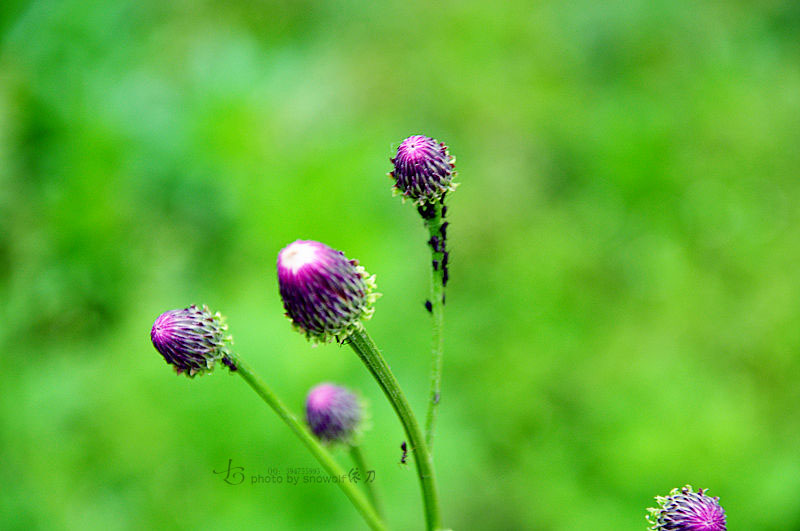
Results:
684 510
192 339
333 413
325 295
423 170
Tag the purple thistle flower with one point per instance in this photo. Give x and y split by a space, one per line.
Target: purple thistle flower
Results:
325 295
684 510
333 413
192 339
423 169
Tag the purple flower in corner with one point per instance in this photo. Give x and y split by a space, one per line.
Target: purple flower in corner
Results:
423 169
684 510
192 339
325 295
333 413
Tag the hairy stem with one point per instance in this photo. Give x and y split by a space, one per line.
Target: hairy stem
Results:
437 228
366 349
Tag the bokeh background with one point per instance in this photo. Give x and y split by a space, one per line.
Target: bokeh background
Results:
623 309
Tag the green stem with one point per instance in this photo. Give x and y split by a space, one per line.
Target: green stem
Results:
323 456
366 349
438 266
369 483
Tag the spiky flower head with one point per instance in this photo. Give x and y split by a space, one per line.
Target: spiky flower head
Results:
192 339
684 510
423 169
333 413
325 295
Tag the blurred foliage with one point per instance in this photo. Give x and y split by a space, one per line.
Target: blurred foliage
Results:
623 311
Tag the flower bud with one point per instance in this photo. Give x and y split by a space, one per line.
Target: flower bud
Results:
423 169
192 339
684 510
325 295
333 413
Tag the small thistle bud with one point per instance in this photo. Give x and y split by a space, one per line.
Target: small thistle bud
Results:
684 510
192 339
325 295
333 413
423 170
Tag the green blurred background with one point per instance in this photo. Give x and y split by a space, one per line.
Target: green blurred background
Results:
624 301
